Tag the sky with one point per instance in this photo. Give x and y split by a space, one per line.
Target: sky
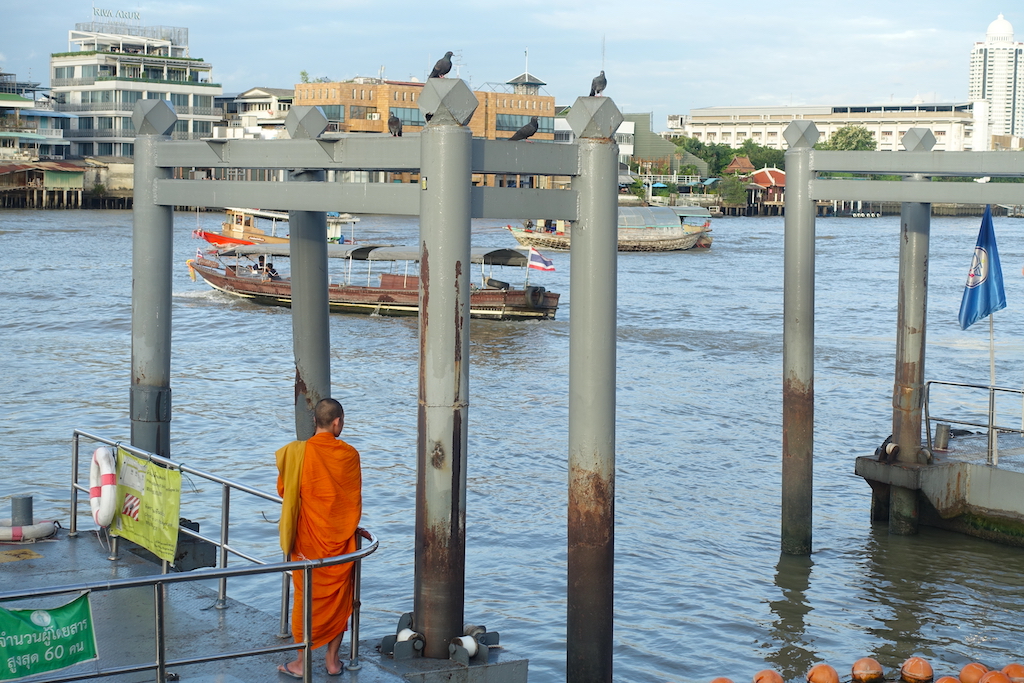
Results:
660 56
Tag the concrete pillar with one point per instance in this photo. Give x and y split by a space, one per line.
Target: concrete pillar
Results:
152 259
445 212
798 343
592 337
912 313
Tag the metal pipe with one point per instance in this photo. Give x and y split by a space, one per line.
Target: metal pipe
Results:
798 344
311 334
440 566
307 624
911 324
592 343
158 611
357 577
73 531
225 517
286 583
993 457
21 511
152 256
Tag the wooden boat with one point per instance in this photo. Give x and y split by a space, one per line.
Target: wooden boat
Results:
241 227
394 294
641 228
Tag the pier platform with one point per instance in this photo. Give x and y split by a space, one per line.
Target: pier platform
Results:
959 490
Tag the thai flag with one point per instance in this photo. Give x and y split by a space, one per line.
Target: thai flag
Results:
199 253
538 262
984 293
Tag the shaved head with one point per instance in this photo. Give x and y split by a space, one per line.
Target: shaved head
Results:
328 410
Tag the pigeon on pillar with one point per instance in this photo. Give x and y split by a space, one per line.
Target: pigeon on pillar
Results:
598 85
395 126
443 66
526 131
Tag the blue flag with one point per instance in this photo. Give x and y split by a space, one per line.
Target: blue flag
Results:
984 293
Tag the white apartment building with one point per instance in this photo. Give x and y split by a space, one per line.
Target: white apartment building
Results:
109 66
952 123
997 77
623 136
255 113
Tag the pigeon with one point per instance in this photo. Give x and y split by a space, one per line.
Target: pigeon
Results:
443 66
395 126
526 131
598 85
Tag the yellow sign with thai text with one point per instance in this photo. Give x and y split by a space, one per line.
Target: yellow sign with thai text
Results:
148 505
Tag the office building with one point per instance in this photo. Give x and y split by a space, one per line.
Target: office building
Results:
997 78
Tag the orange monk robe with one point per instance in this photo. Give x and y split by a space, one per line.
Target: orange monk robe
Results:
330 507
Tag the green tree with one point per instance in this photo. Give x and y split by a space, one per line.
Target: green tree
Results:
732 190
761 156
304 76
639 190
716 155
850 138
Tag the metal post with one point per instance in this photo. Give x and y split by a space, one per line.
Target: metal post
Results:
152 256
912 314
357 577
225 515
798 344
445 182
73 531
307 623
159 594
592 329
286 584
311 334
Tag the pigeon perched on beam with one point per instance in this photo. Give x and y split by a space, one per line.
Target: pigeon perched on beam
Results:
395 126
526 131
443 66
598 85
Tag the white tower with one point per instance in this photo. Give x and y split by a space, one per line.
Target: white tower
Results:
997 77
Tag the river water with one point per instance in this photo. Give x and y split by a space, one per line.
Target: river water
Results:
701 589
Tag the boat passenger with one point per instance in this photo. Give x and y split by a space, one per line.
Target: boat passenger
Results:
323 472
271 273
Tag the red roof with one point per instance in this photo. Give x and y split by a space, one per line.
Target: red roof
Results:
769 177
739 165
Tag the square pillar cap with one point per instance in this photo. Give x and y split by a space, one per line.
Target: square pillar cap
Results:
594 117
801 134
918 140
305 123
447 101
153 117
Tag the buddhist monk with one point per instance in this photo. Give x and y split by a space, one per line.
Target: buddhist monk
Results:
321 484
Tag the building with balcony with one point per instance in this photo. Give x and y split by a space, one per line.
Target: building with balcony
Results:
255 113
997 78
363 105
110 66
28 132
953 124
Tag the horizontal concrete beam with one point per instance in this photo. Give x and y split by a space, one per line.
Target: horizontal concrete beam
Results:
364 152
898 191
928 163
401 199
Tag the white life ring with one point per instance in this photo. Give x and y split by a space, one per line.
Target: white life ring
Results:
103 486
41 529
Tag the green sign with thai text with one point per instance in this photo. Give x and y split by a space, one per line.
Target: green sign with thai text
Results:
33 641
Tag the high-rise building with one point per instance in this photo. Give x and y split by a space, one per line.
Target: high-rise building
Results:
997 78
110 66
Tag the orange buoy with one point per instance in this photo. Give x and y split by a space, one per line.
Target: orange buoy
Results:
994 677
973 672
822 673
722 679
916 670
867 670
1015 672
947 679
768 676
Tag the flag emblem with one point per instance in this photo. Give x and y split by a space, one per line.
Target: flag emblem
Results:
539 262
983 294
131 506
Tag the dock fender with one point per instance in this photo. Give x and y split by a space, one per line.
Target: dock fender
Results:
534 296
41 529
103 486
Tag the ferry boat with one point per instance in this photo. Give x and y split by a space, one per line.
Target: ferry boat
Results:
241 226
641 228
246 272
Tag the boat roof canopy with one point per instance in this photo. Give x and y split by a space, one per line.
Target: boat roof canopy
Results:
381 252
648 216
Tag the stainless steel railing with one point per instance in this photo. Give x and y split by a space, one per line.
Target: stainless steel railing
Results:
224 548
990 425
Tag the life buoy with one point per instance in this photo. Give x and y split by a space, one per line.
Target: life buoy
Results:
103 486
41 529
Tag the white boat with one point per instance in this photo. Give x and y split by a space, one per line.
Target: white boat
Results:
641 228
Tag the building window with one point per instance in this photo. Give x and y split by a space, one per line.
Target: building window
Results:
940 133
360 113
97 96
757 133
179 99
64 72
886 133
181 126
105 149
90 70
202 127
513 122
105 123
711 136
205 101
85 149
773 134
127 149
155 96
130 96
564 136
127 123
334 112
409 116
85 123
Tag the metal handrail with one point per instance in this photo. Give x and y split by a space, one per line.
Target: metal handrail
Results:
222 544
159 583
990 425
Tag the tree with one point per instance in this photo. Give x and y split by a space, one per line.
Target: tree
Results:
850 138
733 191
761 156
716 155
304 76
